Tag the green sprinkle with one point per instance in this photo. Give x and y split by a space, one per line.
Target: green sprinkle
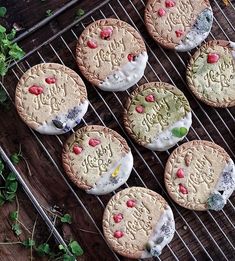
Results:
66 219
179 132
3 11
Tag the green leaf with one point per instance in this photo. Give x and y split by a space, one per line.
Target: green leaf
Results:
15 158
66 219
80 12
62 248
3 11
2 199
49 12
179 132
2 29
75 248
28 243
16 229
11 186
43 249
3 68
11 35
16 52
11 176
13 215
10 197
67 257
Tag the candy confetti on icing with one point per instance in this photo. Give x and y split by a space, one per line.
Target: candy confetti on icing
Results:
212 58
180 173
50 80
130 57
94 142
36 90
139 109
179 33
118 234
77 150
116 171
161 12
92 44
118 218
169 3
150 98
106 33
130 203
183 189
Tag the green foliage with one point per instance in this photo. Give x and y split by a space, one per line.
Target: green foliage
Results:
13 215
66 219
3 11
49 12
75 248
28 243
79 13
43 249
16 229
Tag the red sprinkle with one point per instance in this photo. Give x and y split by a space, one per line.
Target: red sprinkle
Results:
94 142
130 203
180 173
169 3
182 189
118 234
161 12
179 33
213 58
130 57
92 44
139 109
36 89
106 33
77 150
150 98
118 218
50 80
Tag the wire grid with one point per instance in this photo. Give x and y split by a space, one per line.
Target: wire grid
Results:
199 236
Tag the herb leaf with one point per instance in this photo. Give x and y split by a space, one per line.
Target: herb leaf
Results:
66 219
3 11
179 132
16 229
28 243
43 249
49 12
68 258
75 248
14 215
15 158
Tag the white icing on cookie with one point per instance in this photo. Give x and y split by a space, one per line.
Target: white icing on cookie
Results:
165 139
69 122
195 37
107 183
127 76
226 182
232 45
162 234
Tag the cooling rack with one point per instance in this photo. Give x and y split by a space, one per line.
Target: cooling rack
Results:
199 235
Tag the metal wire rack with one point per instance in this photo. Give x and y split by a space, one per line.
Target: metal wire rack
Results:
199 235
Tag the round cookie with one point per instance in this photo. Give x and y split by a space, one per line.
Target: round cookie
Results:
51 98
138 223
157 116
200 175
179 24
211 73
97 159
111 54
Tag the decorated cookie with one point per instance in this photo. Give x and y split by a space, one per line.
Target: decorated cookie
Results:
111 54
200 175
157 116
138 223
179 24
97 159
211 73
51 98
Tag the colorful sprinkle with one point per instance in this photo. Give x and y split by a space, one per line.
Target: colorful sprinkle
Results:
179 33
59 124
150 98
180 173
161 12
94 142
130 57
118 234
36 90
182 189
169 3
130 203
139 109
77 150
116 171
213 58
92 44
50 80
106 33
118 218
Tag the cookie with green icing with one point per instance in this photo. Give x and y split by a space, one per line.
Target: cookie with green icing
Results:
157 116
211 73
97 159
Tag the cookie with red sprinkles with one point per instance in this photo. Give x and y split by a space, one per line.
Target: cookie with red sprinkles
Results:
111 54
138 223
179 24
97 159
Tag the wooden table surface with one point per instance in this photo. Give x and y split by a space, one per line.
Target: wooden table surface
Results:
47 182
